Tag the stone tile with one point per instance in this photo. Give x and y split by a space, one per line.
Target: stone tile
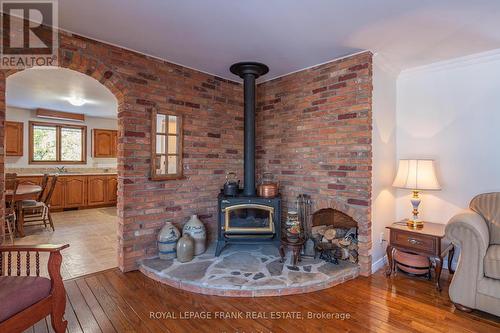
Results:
158 264
275 267
227 281
242 261
267 283
301 277
258 276
190 271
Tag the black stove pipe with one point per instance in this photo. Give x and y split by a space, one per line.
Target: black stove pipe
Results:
249 71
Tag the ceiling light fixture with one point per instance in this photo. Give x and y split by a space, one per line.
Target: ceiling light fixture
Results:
76 100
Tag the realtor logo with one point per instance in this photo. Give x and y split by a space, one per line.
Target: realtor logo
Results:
29 34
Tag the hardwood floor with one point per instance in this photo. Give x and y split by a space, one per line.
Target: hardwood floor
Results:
111 301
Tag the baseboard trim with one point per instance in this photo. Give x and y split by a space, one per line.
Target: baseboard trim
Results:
376 265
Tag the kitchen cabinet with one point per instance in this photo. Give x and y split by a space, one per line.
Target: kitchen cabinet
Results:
37 180
102 190
112 189
104 143
75 191
57 200
14 138
97 190
81 191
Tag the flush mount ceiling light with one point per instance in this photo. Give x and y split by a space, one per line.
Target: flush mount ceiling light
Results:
76 100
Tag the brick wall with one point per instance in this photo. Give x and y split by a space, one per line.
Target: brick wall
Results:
213 137
313 132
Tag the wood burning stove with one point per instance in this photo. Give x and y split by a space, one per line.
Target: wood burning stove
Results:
247 218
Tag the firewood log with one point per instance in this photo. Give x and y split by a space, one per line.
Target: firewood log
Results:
318 230
329 234
335 242
345 242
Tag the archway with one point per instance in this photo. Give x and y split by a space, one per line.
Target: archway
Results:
112 81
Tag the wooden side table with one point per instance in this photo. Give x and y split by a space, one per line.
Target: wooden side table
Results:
427 241
296 249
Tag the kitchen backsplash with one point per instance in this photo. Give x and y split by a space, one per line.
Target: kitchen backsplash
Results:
52 170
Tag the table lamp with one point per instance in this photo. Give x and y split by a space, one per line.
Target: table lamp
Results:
416 175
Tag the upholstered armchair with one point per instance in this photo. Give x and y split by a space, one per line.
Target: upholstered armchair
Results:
476 283
25 296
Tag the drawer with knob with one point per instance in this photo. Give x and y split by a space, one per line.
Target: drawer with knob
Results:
412 241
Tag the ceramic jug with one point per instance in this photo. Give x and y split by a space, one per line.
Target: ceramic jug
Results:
185 248
195 228
167 240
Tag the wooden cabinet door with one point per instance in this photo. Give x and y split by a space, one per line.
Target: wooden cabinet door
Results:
115 144
112 189
57 200
104 143
75 192
14 138
97 190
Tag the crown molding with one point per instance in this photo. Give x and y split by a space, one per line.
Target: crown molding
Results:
469 60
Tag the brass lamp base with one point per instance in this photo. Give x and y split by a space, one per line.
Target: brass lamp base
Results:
415 224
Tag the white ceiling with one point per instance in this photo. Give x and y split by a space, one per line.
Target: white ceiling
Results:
50 88
288 35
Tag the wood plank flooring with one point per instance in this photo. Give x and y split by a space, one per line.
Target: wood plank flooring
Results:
111 301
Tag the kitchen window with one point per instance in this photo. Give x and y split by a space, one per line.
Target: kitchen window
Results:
51 143
166 146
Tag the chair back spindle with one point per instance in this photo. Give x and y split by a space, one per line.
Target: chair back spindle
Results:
53 184
43 193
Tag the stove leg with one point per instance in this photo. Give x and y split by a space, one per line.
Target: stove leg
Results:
220 246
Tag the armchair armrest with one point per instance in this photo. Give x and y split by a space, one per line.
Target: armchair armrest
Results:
12 252
34 248
469 231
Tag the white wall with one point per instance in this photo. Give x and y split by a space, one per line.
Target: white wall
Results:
450 111
24 115
384 156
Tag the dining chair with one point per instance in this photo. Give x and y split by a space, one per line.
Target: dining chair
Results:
40 197
9 223
34 213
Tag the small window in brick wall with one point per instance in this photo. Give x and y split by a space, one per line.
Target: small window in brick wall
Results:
166 138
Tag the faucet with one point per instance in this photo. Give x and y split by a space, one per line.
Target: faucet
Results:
61 169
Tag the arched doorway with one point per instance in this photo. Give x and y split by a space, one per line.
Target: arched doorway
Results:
109 79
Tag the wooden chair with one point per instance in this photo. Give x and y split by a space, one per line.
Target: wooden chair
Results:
28 299
11 183
33 212
45 181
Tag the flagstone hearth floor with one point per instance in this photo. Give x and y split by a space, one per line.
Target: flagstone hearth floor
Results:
248 271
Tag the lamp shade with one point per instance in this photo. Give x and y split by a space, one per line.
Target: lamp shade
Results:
416 175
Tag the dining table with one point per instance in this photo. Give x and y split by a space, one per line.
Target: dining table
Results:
24 192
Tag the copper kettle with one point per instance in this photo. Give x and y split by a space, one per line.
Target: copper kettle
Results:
268 188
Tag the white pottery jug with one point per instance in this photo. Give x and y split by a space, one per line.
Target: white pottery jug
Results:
195 228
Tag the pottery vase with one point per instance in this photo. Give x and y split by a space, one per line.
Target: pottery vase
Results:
185 248
195 228
167 240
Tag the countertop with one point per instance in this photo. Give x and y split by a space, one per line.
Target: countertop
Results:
69 174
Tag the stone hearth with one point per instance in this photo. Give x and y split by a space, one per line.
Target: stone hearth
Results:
248 271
